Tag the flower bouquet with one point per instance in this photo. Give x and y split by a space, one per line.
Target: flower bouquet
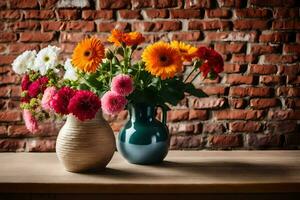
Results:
96 80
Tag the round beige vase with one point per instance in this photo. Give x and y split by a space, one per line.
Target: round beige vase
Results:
87 145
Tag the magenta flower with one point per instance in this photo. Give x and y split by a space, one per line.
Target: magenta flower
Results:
60 101
47 98
30 122
25 82
38 86
113 103
84 105
122 84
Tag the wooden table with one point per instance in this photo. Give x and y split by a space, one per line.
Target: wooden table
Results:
184 175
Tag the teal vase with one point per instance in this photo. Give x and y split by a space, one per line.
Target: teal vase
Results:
144 139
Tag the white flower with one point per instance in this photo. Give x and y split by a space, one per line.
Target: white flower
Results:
70 72
24 61
46 59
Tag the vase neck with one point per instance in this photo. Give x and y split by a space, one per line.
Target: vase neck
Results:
142 112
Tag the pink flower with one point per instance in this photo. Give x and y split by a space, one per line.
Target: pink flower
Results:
122 84
38 86
25 82
60 100
30 122
84 105
113 103
47 98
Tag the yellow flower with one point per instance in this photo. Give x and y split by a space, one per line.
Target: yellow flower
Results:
130 39
88 55
187 51
133 38
115 37
162 60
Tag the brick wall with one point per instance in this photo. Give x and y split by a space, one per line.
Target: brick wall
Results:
254 104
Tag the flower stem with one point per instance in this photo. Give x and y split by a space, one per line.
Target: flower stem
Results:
194 69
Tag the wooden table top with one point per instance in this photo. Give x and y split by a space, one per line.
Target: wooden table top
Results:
182 172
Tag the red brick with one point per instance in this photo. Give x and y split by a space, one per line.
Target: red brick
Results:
25 25
236 103
64 14
3 131
185 13
12 145
263 141
97 14
53 25
136 4
286 24
108 26
250 91
7 37
17 48
259 49
226 48
219 13
290 70
155 13
245 24
181 128
288 91
286 12
294 80
214 90
207 102
198 4
278 58
71 37
243 58
23 3
248 126
209 25
232 68
278 127
165 3
263 103
273 3
10 116
186 36
36 37
275 37
231 36
178 115
186 142
232 3
48 4
284 114
236 79
41 145
130 14
225 141
271 80
6 59
213 128
84 26
39 14
67 47
10 14
157 26
253 13
10 91
292 103
238 114
197 115
114 4
291 49
3 4
263 69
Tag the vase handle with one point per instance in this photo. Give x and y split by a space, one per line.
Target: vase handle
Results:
164 114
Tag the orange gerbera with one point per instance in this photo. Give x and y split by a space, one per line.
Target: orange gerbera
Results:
130 39
88 55
115 37
187 51
162 60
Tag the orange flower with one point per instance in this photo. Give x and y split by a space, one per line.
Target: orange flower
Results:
133 38
115 37
188 52
162 60
88 55
130 39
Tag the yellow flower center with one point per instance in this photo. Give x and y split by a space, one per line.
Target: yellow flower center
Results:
87 53
46 58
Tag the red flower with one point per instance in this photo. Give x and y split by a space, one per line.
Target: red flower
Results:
84 105
25 82
213 62
38 86
61 99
